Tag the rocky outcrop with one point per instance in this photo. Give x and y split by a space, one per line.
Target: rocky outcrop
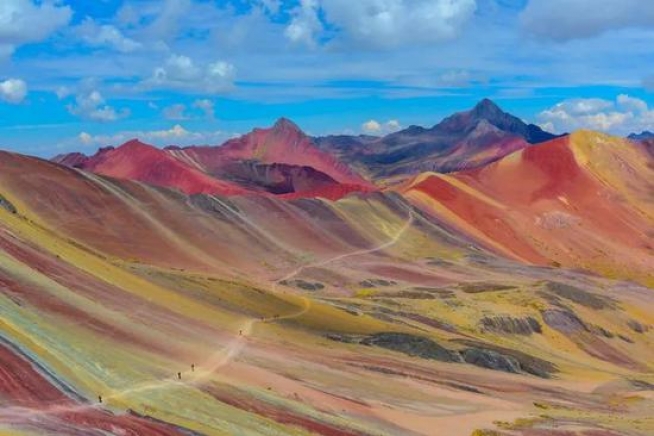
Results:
577 295
478 288
412 345
6 205
491 359
564 321
373 283
510 325
505 359
303 284
637 327
475 353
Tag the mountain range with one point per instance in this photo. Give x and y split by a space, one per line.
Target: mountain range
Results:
480 277
464 140
282 160
645 135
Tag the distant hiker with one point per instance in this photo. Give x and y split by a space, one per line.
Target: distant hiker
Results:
179 375
240 332
192 367
100 399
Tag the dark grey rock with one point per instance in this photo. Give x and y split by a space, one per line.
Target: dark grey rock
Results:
527 363
478 288
564 321
303 284
601 331
412 345
510 325
579 296
373 283
491 359
347 339
5 204
637 327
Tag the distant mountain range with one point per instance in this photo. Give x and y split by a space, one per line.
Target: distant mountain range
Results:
641 136
282 160
462 141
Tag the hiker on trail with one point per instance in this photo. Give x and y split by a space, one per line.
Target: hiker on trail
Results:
240 332
179 375
192 367
100 399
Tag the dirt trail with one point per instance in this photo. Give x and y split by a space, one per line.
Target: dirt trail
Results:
219 359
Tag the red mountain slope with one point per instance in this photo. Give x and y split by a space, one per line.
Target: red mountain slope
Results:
145 163
280 160
577 201
284 143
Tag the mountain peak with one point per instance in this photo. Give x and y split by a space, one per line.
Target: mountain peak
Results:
284 125
134 144
487 108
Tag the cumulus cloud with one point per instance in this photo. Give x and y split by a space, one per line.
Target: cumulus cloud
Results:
622 116
106 35
182 73
13 91
207 107
25 21
90 104
391 23
374 127
177 135
201 108
305 24
573 19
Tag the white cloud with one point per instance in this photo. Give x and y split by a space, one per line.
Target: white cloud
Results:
175 112
305 24
90 104
379 23
574 19
207 107
177 135
13 91
182 73
623 116
393 125
106 35
391 23
23 21
63 92
631 104
374 127
85 138
203 108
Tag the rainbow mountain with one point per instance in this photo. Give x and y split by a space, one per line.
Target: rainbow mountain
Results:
481 277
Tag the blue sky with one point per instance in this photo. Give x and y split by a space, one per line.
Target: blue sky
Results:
76 75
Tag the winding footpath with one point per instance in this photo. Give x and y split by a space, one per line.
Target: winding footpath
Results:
203 371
